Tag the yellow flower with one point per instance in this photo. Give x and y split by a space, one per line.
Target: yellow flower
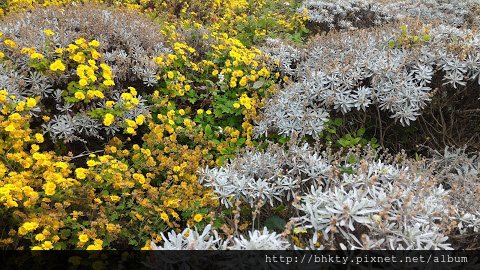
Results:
109 104
81 173
83 238
30 226
10 128
10 43
108 82
36 248
246 101
20 106
187 87
236 105
108 119
50 188
215 72
47 245
80 41
170 75
83 82
94 43
72 48
79 57
79 95
39 137
95 54
199 111
98 242
93 247
48 32
22 230
39 237
130 130
57 65
31 102
35 147
198 217
164 217
36 56
140 119
208 112
133 91
91 163
243 81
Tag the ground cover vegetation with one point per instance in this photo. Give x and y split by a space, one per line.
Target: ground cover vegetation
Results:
239 124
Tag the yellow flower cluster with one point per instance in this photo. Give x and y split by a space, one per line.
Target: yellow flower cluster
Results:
146 179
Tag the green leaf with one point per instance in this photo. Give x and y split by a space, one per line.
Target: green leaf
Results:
360 132
208 130
279 208
65 233
275 223
347 170
133 242
241 141
283 140
218 222
391 44
337 122
221 160
343 142
351 159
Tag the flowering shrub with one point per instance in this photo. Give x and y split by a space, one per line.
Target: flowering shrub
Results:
159 108
88 81
123 120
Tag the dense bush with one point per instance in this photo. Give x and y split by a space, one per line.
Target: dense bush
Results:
161 100
354 14
82 70
360 199
402 71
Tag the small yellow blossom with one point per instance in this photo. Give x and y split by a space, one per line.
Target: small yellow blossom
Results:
79 95
83 238
48 32
94 43
39 137
108 119
198 217
57 65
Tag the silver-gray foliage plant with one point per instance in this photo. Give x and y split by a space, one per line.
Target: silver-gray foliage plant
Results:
395 202
356 70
